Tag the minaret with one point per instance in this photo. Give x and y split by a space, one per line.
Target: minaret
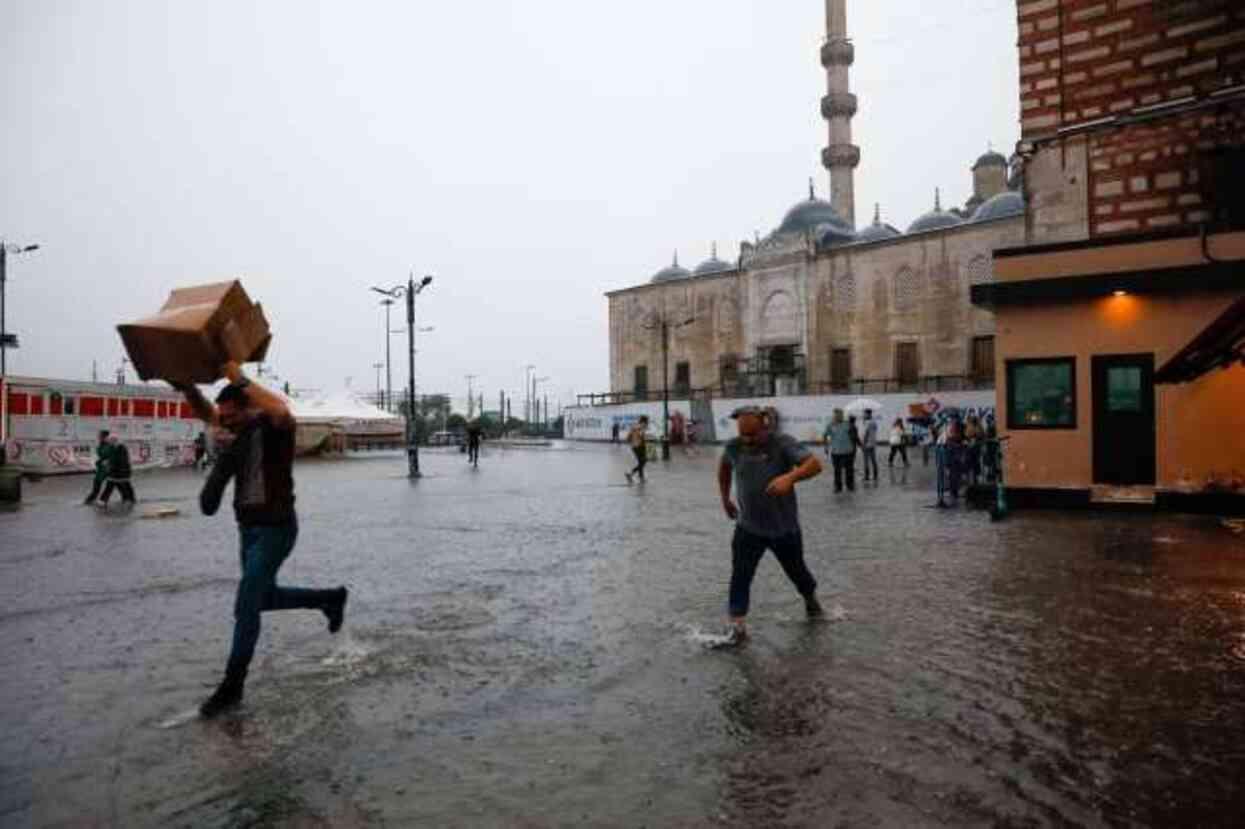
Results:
838 107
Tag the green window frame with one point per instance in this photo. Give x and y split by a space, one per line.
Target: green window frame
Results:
1041 393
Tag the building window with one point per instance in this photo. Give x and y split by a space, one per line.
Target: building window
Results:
1041 394
981 360
907 364
845 292
840 368
641 382
907 289
1124 389
682 377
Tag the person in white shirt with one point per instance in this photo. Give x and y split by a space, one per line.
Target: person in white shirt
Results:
899 443
869 446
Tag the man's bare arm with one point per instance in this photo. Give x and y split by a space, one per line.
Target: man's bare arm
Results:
810 468
724 488
199 404
261 398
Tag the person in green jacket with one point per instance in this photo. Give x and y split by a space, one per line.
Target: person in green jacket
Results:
103 452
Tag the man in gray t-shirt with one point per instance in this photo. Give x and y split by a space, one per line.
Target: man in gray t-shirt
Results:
764 468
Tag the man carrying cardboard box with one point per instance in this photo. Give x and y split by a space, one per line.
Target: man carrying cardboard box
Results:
259 460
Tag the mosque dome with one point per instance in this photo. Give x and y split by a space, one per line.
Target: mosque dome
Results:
812 214
991 158
879 231
671 272
1007 203
830 234
935 219
712 265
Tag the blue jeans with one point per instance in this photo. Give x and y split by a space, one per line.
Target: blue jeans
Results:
263 550
747 549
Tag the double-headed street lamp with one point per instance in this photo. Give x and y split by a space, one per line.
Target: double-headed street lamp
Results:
664 324
7 340
410 290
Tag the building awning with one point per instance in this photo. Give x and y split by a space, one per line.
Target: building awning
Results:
1220 344
1220 276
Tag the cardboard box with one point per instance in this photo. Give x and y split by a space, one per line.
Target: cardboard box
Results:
182 342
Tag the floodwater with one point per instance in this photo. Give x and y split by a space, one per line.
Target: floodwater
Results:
525 646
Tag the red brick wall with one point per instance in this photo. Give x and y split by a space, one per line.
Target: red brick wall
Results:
1082 60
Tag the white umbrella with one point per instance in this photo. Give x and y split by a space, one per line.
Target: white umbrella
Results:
862 403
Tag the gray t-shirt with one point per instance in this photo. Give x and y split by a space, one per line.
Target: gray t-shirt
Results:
754 468
871 434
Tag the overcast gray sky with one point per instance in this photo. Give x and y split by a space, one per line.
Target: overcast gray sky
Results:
530 155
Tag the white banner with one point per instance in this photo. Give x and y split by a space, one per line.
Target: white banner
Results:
803 417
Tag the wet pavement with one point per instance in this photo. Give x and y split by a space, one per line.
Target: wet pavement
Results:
524 646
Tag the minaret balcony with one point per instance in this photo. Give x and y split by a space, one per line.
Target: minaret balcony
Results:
837 53
840 155
838 104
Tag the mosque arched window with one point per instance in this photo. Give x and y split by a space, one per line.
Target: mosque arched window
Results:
880 294
845 291
907 289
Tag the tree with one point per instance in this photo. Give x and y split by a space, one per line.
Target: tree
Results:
455 422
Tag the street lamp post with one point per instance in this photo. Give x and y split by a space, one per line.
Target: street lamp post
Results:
5 249
410 290
379 392
665 326
388 303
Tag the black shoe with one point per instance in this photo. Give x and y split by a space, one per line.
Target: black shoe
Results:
812 608
336 612
227 695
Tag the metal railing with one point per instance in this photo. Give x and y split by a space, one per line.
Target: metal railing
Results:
743 387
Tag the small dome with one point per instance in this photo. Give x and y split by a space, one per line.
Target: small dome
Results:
672 272
1007 203
811 214
935 219
991 159
879 231
831 234
713 265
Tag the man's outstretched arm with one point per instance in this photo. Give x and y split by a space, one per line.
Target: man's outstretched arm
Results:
199 404
261 398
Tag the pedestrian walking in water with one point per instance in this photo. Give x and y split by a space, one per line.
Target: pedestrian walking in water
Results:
856 444
118 474
259 461
475 434
842 451
614 432
899 443
102 451
869 446
764 468
637 439
973 437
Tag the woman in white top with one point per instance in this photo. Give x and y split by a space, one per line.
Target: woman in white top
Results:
899 443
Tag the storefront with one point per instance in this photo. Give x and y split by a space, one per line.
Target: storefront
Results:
1121 370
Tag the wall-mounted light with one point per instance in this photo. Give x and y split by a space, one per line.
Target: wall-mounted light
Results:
1119 293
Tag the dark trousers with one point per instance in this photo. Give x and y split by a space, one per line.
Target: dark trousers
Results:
127 491
870 454
900 450
473 453
747 550
844 467
641 460
261 553
96 485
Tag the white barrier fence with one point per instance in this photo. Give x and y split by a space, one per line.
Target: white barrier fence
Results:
804 417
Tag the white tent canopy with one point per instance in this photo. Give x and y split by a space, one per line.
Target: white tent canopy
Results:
339 408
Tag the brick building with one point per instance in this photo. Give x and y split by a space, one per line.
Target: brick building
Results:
1133 139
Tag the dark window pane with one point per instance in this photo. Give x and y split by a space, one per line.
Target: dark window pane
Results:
1041 393
1124 389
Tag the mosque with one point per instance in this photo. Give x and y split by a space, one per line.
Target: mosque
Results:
819 306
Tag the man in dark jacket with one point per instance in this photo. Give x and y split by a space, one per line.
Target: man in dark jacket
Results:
259 460
118 460
102 450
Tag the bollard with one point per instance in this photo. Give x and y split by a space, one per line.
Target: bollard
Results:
10 485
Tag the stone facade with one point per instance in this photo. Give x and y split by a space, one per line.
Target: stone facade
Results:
790 297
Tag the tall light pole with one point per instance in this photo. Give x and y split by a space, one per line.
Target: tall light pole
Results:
379 395
527 395
410 290
7 340
536 381
388 303
664 325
